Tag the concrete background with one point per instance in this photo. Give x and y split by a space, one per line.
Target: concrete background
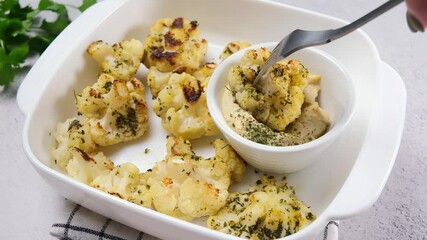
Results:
28 207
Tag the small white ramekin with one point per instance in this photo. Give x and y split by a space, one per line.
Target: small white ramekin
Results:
337 97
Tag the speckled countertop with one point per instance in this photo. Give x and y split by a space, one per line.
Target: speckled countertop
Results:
27 212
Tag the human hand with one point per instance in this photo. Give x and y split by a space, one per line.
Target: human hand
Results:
417 9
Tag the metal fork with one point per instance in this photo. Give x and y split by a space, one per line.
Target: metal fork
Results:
300 39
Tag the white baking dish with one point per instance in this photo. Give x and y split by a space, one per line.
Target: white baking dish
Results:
346 180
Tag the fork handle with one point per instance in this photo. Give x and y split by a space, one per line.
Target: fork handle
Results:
339 32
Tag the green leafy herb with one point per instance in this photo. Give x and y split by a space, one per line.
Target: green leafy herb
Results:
86 4
23 32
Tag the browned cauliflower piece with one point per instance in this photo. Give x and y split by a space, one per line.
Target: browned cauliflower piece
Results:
174 44
73 133
233 47
115 108
188 186
180 101
157 80
121 60
278 98
240 79
269 210
85 167
125 182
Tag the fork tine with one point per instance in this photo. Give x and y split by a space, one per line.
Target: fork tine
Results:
296 40
274 57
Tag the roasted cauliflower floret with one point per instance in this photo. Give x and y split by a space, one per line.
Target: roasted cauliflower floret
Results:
311 124
240 78
283 89
68 135
116 109
180 101
177 146
233 47
187 186
125 182
85 167
174 44
204 73
269 210
277 99
157 80
121 60
225 153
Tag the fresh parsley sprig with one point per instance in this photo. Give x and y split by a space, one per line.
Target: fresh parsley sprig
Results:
24 32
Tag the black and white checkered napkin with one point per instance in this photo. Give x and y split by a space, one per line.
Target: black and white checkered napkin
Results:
81 223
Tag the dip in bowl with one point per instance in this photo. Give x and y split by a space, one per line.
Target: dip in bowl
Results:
280 151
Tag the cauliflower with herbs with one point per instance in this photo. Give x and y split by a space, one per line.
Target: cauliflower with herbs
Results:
121 60
278 98
174 44
115 108
125 182
269 210
158 80
233 47
312 123
73 133
180 101
85 167
188 186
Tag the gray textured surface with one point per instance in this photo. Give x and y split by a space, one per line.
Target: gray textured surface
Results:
28 206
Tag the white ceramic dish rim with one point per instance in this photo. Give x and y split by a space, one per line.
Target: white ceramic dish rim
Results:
338 127
342 200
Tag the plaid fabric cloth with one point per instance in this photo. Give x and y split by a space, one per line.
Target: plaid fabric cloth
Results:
82 223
